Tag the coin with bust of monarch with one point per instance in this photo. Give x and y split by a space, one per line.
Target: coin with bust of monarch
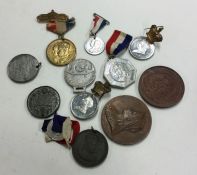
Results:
126 120
161 86
90 148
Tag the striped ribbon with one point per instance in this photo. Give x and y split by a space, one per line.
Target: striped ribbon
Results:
98 24
118 43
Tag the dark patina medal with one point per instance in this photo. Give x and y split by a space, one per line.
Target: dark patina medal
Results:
43 101
126 120
161 87
23 68
90 148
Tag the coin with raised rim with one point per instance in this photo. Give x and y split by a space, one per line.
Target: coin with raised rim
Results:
90 148
94 46
23 68
43 101
161 86
61 52
140 49
84 106
126 120
79 74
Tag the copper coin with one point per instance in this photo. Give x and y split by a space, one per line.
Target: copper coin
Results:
161 87
126 120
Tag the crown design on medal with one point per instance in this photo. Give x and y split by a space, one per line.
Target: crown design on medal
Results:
154 35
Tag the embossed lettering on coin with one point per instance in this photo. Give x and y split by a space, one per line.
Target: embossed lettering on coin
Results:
80 73
161 86
61 52
126 120
120 72
140 48
84 106
43 101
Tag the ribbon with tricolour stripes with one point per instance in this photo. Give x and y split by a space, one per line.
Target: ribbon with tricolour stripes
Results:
98 23
118 43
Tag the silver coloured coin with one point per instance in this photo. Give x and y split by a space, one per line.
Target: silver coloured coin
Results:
79 74
84 106
43 101
23 68
53 135
120 72
94 46
140 49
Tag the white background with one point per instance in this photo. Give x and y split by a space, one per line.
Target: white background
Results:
170 148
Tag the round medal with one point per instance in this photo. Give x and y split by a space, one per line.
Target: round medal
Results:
90 148
43 101
84 106
141 49
61 52
23 68
79 74
126 120
120 72
94 46
161 87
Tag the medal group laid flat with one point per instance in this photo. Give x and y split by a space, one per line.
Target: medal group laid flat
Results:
125 119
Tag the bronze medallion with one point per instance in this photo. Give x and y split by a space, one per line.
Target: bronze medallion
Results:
161 87
126 120
61 52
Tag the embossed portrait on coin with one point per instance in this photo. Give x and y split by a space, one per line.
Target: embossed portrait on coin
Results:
61 50
128 120
85 104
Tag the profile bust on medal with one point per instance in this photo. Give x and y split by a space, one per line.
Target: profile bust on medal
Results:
61 51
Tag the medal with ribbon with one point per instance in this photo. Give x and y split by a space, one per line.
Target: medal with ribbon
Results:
143 48
119 72
61 51
94 45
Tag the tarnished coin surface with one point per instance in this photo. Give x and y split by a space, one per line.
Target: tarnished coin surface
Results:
126 120
161 87
90 148
119 72
94 46
79 74
43 101
55 136
61 52
23 68
84 106
140 49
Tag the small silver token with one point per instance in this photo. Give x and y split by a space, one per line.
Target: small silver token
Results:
84 106
119 72
55 136
94 46
23 68
140 49
79 74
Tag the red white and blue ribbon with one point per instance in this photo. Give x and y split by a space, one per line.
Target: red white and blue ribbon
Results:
98 24
118 43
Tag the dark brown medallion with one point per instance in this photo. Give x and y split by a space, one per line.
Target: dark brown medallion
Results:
161 87
126 120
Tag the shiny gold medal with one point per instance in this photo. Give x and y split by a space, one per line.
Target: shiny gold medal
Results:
61 51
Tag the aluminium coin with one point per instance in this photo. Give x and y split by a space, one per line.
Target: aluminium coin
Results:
119 72
94 46
23 68
43 101
161 86
79 74
140 49
90 148
126 120
84 106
